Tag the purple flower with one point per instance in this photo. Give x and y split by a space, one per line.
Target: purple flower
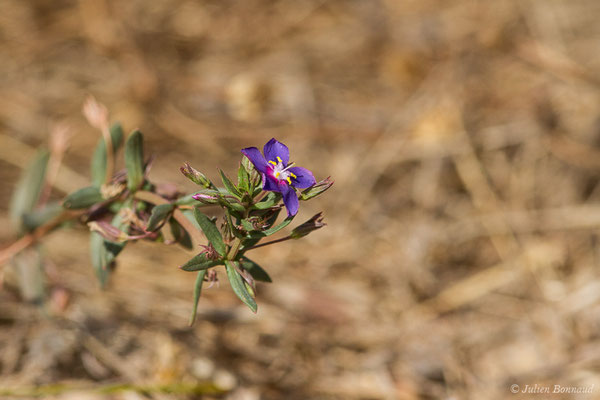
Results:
278 174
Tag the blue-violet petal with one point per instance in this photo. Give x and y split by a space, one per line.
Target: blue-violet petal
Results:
274 149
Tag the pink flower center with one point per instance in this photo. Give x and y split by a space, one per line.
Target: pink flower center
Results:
280 171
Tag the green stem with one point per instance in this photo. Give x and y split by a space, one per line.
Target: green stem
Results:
237 243
234 249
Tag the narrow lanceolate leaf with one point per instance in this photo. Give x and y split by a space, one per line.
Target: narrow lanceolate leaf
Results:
253 175
28 189
158 215
134 160
210 231
180 235
83 198
229 185
316 189
255 270
37 218
197 291
101 258
231 204
238 285
269 201
98 164
104 252
243 179
279 227
200 262
29 268
274 229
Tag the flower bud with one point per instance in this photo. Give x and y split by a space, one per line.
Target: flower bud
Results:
316 189
108 231
207 197
312 224
95 113
195 176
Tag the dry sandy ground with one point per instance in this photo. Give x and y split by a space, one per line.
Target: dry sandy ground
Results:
461 252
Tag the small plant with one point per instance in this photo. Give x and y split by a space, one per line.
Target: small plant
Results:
124 206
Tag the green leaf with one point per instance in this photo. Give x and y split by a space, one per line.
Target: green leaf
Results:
274 229
101 257
247 225
247 164
134 160
37 218
180 235
255 236
271 219
83 198
279 227
98 164
243 179
29 188
254 177
233 206
255 270
238 285
210 231
29 268
197 291
158 215
269 201
200 262
230 186
104 252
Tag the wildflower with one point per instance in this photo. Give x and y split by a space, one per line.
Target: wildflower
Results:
278 174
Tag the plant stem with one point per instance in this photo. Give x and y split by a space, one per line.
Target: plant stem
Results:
235 247
237 243
30 238
271 242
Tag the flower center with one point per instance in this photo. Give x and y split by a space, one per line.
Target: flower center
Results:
280 171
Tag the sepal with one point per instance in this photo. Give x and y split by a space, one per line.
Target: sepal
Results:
316 189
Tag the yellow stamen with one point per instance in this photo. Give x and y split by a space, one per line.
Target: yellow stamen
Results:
276 174
273 162
279 159
289 180
293 176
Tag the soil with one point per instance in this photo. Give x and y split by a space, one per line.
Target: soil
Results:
460 255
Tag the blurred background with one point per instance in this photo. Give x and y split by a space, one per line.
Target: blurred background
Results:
461 254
